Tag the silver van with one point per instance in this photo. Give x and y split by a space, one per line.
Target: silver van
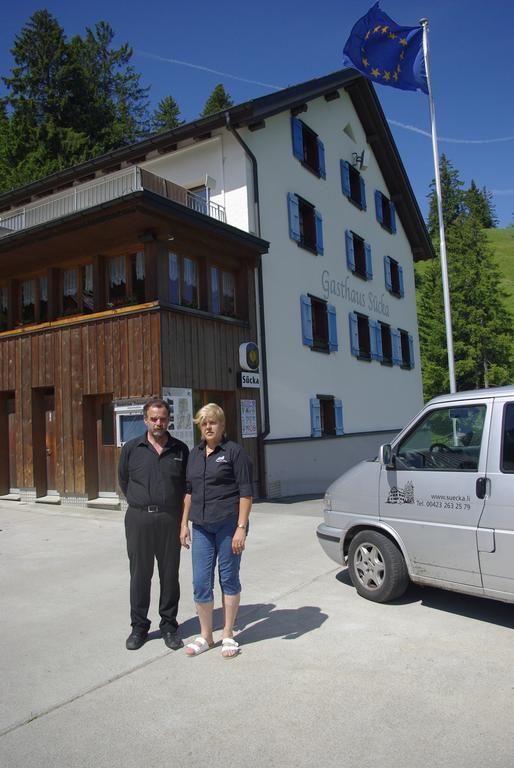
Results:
437 505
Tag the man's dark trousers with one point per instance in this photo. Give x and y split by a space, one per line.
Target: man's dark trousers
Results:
153 535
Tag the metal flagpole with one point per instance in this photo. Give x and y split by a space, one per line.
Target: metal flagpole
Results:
444 263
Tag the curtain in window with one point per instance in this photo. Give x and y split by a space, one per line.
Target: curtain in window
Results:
88 278
27 293
117 271
3 299
70 282
173 274
215 294
43 288
140 265
228 286
189 282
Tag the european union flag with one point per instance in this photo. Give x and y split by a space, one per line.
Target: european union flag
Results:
387 53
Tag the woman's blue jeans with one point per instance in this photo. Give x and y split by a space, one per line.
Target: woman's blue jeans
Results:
211 542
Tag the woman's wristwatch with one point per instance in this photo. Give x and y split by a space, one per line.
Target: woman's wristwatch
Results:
239 525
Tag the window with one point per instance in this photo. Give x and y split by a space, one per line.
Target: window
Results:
223 292
386 344
77 290
354 187
183 281
507 454
358 255
406 349
385 211
360 337
4 307
305 224
393 276
326 416
308 148
117 292
32 301
126 280
28 302
446 439
319 325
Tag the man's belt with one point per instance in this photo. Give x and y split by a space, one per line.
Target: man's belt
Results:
153 508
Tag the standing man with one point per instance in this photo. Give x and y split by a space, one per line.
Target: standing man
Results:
152 476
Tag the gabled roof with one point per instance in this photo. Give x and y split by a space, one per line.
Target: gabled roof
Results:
364 100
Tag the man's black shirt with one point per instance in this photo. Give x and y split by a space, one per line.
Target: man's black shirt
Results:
217 482
146 477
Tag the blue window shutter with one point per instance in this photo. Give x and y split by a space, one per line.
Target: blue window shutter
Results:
387 272
354 334
378 331
306 313
293 210
345 178
400 280
319 232
332 328
363 192
350 255
321 159
338 411
411 351
369 264
392 210
396 346
378 206
373 339
315 417
297 130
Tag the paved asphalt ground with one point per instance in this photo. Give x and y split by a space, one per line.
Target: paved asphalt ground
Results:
325 678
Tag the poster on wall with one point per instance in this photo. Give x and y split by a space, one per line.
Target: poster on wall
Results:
249 418
181 414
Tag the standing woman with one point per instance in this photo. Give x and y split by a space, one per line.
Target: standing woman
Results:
218 502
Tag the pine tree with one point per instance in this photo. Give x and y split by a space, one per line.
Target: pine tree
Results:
66 101
166 116
452 197
482 327
479 203
217 101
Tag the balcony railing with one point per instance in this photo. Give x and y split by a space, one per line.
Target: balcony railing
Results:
93 193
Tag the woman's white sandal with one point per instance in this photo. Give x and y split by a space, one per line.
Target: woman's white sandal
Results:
229 648
198 646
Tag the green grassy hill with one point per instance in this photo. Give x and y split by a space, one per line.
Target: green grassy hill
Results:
502 243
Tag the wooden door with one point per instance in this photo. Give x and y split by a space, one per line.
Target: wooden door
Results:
99 445
11 439
50 441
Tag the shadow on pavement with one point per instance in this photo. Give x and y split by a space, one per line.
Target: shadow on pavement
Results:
262 622
479 608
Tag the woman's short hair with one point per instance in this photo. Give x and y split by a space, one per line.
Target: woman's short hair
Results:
210 411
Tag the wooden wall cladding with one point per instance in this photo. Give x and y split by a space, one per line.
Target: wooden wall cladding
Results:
118 355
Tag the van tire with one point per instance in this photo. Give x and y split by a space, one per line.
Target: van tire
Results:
377 568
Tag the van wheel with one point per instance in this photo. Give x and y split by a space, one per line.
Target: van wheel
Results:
377 568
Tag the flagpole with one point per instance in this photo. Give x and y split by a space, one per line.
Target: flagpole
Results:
442 239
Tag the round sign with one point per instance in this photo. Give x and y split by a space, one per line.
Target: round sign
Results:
249 356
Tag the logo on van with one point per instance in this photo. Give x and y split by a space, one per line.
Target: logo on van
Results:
403 495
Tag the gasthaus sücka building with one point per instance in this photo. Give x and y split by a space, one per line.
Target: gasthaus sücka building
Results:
147 271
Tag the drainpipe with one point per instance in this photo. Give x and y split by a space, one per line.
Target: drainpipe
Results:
261 329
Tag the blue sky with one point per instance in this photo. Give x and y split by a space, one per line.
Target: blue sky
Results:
270 43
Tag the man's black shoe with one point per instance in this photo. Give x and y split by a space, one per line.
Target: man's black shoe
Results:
172 640
136 640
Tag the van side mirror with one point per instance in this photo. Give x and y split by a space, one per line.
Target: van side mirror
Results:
386 456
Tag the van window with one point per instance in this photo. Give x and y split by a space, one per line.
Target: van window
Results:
507 464
445 440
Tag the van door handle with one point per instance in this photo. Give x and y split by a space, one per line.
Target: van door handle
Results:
481 487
